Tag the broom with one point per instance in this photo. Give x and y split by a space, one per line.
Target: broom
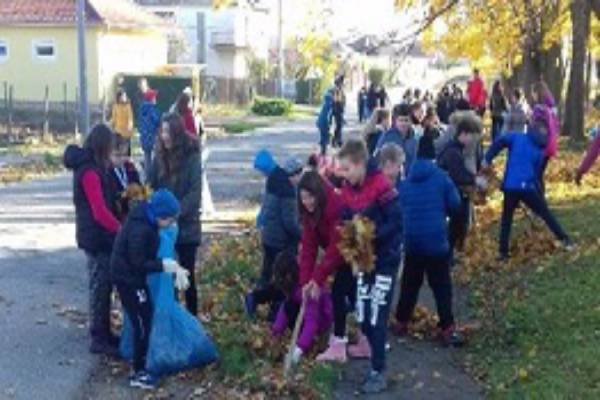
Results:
287 364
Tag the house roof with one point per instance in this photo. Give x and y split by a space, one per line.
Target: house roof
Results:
112 13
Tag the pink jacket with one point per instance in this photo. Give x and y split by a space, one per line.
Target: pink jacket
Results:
318 317
553 127
590 156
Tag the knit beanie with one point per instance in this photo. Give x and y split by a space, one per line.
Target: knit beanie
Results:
163 204
293 166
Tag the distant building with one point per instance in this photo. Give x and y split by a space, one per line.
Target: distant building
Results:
223 39
38 46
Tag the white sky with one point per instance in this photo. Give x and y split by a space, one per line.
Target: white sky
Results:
365 16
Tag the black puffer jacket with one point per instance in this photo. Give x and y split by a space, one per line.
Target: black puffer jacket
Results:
452 160
90 235
135 253
280 212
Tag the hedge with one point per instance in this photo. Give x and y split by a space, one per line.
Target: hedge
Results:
271 106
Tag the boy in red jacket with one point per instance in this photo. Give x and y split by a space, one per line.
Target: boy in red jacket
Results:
367 191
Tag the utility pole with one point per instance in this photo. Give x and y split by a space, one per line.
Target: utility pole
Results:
84 112
280 60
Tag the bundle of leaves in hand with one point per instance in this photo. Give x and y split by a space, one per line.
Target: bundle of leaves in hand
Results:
479 193
137 192
357 244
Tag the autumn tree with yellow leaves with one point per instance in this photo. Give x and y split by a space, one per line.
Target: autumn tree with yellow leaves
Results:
524 40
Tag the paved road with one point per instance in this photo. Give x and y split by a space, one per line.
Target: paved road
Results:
43 292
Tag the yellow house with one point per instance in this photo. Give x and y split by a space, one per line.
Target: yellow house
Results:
38 47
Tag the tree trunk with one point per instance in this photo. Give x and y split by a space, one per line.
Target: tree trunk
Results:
575 103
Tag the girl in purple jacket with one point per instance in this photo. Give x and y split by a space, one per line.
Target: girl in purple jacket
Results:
318 313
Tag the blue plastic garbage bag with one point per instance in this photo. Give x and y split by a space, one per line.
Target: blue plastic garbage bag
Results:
178 340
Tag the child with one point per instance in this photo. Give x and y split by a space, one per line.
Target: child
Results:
522 180
515 120
122 174
401 133
391 162
324 121
368 192
320 212
452 160
318 313
122 122
280 230
148 124
379 123
427 197
135 255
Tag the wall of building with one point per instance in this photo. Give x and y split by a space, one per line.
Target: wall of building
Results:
134 52
29 75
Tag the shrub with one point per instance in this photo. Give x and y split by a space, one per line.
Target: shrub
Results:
376 75
271 106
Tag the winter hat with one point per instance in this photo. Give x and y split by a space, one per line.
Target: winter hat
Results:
426 149
264 162
150 95
293 166
163 204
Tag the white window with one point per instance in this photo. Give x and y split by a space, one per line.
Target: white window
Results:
44 50
3 51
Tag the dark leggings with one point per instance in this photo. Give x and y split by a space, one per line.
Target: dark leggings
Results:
437 270
545 162
187 259
138 307
459 225
343 293
535 201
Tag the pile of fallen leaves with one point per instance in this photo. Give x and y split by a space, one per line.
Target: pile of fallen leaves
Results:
356 244
251 361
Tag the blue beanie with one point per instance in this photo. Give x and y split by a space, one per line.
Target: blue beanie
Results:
163 204
264 162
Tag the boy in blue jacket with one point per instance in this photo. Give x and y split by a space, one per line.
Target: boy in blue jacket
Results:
427 197
521 181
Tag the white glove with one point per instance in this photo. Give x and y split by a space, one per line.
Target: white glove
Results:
170 265
182 279
481 182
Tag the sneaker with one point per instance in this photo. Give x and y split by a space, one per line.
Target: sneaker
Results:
143 380
361 349
374 383
502 258
105 348
568 245
250 306
400 329
451 337
336 352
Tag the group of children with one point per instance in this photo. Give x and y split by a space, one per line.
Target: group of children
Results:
412 177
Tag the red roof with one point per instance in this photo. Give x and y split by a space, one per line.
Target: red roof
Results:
114 13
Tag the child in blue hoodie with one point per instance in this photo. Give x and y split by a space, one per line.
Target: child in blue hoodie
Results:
521 180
